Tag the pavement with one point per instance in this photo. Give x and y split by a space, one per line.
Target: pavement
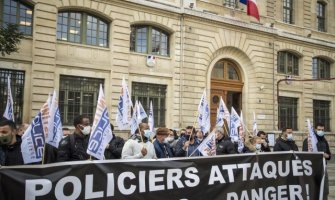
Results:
331 174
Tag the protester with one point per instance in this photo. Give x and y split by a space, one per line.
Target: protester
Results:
182 133
286 141
22 128
224 145
74 147
200 135
114 148
187 145
66 132
322 146
172 139
265 141
162 147
136 148
252 144
10 144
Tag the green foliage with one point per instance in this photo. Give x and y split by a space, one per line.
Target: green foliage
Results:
10 38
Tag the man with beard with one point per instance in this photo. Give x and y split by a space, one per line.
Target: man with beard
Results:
187 144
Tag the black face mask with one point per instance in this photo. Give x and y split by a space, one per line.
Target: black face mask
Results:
6 140
188 137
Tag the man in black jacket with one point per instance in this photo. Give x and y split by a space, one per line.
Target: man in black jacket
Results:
114 148
286 141
10 144
74 146
265 142
322 146
224 145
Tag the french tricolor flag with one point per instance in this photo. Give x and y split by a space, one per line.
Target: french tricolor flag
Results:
252 8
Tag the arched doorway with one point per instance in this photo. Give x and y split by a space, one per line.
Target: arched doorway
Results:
226 81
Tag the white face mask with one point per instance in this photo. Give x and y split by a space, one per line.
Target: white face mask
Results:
320 133
147 133
169 139
258 146
86 129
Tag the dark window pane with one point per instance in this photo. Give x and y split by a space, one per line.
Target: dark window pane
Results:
287 113
288 63
321 113
17 89
78 95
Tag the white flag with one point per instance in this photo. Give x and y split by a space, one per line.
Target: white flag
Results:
151 118
254 125
204 114
311 140
101 133
141 114
235 122
123 109
9 111
55 132
208 146
33 141
133 121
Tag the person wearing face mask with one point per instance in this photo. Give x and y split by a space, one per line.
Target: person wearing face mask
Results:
253 144
187 144
172 139
74 146
10 144
139 146
265 141
161 144
322 146
286 141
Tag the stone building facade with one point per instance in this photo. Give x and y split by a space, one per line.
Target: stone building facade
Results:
74 45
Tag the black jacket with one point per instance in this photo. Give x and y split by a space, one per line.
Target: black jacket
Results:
73 148
225 146
114 150
50 154
322 145
163 150
285 145
11 154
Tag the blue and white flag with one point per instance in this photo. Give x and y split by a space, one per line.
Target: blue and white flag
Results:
123 109
204 114
33 141
101 133
151 122
9 111
55 132
311 140
134 119
208 146
235 122
141 114
254 125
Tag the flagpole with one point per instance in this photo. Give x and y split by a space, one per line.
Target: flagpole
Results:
138 126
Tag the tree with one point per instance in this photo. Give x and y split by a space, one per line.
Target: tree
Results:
10 38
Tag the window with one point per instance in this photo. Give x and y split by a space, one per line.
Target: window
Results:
15 12
145 92
230 3
321 68
321 113
321 16
287 112
148 39
288 11
78 95
82 28
288 63
225 70
17 89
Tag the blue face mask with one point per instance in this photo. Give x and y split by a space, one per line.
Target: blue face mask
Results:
290 137
258 146
147 133
320 133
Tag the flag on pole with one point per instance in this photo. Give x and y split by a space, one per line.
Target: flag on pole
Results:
254 125
123 109
134 119
55 132
244 1
151 118
101 133
204 115
311 140
33 141
252 8
141 114
45 114
235 122
9 111
208 146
